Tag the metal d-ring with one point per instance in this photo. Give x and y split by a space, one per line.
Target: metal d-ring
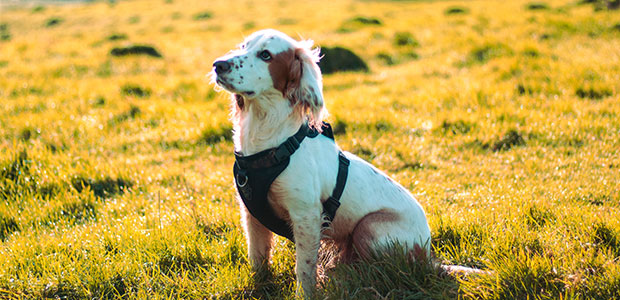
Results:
239 182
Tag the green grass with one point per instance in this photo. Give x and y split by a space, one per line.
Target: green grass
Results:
501 117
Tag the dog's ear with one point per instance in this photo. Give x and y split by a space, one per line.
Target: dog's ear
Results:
305 89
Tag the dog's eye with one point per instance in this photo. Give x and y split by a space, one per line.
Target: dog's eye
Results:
264 55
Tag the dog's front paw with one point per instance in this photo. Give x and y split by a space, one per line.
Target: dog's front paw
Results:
306 284
302 292
259 263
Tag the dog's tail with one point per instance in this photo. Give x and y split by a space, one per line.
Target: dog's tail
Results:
462 270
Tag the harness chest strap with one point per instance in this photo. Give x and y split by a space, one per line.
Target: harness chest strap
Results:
333 202
254 175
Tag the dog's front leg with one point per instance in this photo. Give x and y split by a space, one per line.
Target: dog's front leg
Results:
307 231
258 238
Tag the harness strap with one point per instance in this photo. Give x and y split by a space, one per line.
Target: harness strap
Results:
333 202
274 156
255 173
286 149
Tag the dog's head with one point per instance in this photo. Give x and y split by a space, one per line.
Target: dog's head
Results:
270 64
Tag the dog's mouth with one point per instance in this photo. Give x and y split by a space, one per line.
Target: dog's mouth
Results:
230 88
227 86
240 102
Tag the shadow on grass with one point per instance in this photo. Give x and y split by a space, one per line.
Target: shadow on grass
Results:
102 187
393 274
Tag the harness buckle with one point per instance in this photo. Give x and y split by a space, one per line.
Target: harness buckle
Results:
343 159
286 149
292 144
330 206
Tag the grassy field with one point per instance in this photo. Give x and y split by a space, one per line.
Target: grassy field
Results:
502 117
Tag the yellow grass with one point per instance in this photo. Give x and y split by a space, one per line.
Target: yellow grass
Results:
116 194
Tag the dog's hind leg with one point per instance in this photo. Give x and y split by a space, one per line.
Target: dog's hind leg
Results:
383 228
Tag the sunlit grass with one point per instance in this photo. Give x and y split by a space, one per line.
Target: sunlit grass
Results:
501 117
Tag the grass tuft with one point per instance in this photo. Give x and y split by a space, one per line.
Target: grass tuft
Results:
484 53
136 50
403 38
53 21
537 217
76 211
456 10
455 127
365 20
592 92
27 133
5 35
205 15
116 37
132 113
339 127
358 23
394 274
511 139
16 168
387 58
101 187
62 290
339 59
537 6
8 225
38 9
175 261
215 230
520 277
213 135
135 90
604 236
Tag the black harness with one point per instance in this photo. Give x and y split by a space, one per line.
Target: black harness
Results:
255 173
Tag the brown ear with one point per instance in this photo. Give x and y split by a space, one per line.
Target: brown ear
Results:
306 86
285 71
294 77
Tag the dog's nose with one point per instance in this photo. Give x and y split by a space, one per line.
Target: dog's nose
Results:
221 67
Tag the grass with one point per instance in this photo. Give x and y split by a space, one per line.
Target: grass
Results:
501 117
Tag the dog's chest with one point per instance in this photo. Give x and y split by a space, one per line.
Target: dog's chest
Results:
276 197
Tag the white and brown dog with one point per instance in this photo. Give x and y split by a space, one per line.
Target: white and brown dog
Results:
276 87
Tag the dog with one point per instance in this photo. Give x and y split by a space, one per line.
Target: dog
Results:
276 88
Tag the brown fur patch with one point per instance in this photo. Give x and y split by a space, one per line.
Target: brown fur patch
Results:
364 233
285 70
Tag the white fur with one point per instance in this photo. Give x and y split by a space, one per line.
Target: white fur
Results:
375 211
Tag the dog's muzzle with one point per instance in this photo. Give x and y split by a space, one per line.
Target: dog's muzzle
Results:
221 67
